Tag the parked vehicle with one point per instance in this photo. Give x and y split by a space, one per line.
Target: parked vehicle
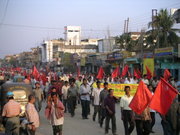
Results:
21 92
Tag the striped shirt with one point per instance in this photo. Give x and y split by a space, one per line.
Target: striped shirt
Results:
32 114
11 109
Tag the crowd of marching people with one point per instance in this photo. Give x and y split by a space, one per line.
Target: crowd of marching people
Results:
62 94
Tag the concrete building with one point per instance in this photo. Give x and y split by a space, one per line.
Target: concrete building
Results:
89 42
72 35
52 49
106 45
49 48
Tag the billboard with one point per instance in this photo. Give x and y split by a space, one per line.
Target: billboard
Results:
119 88
164 51
149 62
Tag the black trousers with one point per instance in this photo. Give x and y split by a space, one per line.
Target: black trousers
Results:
143 127
72 105
65 104
85 108
128 121
102 115
153 119
31 132
113 122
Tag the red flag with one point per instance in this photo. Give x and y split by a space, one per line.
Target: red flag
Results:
137 74
163 97
115 73
125 70
35 73
44 79
167 74
141 99
100 73
149 74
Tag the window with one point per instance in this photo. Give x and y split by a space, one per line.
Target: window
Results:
70 30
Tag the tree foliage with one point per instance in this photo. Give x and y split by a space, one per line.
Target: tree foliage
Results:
125 42
163 33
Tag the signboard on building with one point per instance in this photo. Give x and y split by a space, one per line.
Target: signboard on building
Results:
168 51
126 54
148 55
110 56
118 55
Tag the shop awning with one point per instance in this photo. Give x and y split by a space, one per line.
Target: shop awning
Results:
170 65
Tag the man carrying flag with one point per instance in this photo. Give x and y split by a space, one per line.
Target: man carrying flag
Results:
139 105
164 101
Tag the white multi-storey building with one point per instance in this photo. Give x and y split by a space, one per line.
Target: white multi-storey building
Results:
52 47
47 51
72 35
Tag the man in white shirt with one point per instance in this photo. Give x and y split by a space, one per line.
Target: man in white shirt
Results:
95 96
85 91
128 81
126 112
64 92
145 80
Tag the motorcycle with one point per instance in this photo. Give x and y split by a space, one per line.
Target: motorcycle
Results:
24 126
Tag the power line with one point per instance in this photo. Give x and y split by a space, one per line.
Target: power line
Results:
5 12
48 28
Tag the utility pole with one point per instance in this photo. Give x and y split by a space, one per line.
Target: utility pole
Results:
127 25
109 39
154 15
141 38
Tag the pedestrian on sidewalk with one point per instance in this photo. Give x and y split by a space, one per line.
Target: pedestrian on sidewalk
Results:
85 91
127 114
10 115
95 97
109 104
32 115
72 95
102 96
55 113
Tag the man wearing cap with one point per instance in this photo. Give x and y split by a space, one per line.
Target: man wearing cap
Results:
11 113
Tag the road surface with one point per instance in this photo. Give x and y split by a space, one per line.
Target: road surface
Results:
77 126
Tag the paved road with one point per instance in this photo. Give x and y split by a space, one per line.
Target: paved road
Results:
78 126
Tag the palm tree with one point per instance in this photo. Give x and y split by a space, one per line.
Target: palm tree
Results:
163 32
125 42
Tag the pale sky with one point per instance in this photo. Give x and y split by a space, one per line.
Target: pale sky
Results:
26 23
